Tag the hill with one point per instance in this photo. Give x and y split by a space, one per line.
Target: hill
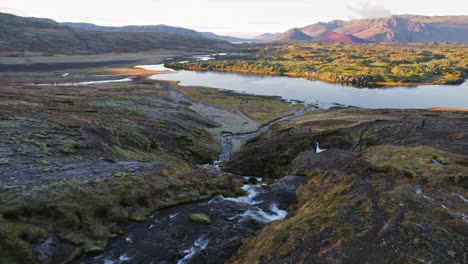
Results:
221 37
24 34
371 197
292 35
333 37
319 28
154 28
394 29
266 36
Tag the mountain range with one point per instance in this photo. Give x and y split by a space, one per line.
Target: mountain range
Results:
26 34
19 34
394 29
153 28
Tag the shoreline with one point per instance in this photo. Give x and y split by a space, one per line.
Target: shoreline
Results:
307 77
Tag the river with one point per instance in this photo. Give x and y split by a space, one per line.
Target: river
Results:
423 96
169 236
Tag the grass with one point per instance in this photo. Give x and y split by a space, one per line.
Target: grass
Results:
378 64
388 190
134 121
417 163
325 197
354 211
70 147
259 108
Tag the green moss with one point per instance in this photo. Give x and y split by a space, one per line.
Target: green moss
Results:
121 174
419 242
416 162
153 155
4 161
70 147
21 151
10 187
458 225
16 240
200 219
93 247
89 212
9 123
34 143
183 139
279 239
42 162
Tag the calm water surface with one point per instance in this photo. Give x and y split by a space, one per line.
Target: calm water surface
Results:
424 96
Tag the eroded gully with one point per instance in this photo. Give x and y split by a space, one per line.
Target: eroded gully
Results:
169 236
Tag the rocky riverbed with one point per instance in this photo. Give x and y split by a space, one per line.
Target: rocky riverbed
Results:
173 235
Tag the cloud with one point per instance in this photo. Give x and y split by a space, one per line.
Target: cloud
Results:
369 10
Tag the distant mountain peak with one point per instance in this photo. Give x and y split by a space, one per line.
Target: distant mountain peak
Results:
292 35
394 29
333 37
319 28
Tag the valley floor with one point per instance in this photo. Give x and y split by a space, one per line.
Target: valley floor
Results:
79 163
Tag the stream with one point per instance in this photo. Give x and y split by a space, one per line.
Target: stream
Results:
169 236
226 140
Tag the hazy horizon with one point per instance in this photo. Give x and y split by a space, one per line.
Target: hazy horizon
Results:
241 18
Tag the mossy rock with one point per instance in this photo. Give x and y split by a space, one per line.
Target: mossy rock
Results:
280 239
200 219
138 214
94 247
4 161
70 147
102 207
15 241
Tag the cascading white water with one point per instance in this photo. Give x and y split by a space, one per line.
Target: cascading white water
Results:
200 244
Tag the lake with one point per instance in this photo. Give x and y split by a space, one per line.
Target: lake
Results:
424 96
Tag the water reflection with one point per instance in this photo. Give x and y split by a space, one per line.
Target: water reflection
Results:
424 96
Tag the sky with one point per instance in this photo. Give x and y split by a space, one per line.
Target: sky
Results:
231 17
